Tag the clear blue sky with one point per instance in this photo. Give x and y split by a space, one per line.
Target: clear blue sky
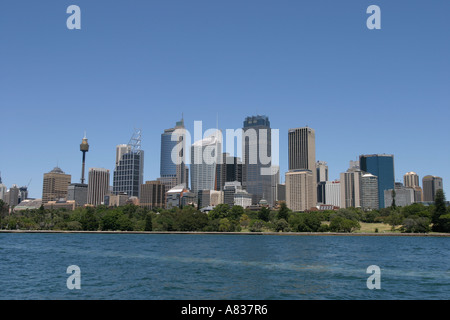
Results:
144 63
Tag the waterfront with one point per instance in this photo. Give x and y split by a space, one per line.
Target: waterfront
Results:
215 266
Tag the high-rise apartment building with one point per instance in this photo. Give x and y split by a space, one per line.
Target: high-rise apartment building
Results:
431 184
129 170
382 166
300 190
98 186
302 155
257 158
173 156
55 185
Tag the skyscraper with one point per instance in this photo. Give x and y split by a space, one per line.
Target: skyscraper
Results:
55 185
129 170
228 170
98 186
431 184
173 144
411 180
302 155
300 190
205 155
369 192
153 195
257 159
382 166
350 188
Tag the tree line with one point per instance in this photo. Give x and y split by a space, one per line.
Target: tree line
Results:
415 218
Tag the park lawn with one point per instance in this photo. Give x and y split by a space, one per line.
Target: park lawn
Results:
370 227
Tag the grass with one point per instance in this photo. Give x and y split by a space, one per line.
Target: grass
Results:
370 228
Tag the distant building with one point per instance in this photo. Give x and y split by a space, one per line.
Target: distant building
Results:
61 204
302 156
411 180
431 184
350 188
257 158
98 186
28 204
174 197
216 197
229 191
173 143
369 192
300 194
333 193
381 166
153 195
404 196
242 198
227 170
118 200
129 169
204 198
12 196
78 193
205 155
55 185
281 192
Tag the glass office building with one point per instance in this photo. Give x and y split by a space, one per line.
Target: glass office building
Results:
382 166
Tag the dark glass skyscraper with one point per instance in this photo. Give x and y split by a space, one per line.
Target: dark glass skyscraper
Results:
129 170
173 173
257 155
382 166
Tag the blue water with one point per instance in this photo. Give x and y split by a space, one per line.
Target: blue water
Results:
199 267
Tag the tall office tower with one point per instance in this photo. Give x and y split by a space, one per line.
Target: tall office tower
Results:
322 178
411 180
300 190
431 184
78 193
3 189
302 153
228 170
98 186
84 147
369 192
173 144
281 192
322 171
12 196
257 158
55 185
129 170
205 155
350 188
333 193
153 195
382 166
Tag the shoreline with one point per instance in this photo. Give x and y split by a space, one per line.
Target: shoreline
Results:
360 234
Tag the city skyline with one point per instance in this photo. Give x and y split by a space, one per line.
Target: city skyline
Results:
302 64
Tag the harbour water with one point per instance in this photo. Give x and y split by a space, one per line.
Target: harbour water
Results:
222 267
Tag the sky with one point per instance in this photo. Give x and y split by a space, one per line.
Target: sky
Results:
144 64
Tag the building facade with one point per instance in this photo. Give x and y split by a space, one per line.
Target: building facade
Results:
300 190
98 186
350 188
431 184
77 192
381 166
153 195
369 192
55 185
302 155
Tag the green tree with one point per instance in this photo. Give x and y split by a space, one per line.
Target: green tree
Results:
148 222
444 223
416 224
394 219
220 211
88 220
440 209
283 212
263 214
341 224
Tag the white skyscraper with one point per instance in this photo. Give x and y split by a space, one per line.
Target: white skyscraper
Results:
205 154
